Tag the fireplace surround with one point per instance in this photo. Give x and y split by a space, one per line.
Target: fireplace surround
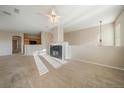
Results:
59 50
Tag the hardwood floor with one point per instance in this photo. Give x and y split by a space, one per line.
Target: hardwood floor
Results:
21 71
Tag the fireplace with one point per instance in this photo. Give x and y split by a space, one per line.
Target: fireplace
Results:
56 51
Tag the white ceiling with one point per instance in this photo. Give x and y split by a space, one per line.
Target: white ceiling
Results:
73 17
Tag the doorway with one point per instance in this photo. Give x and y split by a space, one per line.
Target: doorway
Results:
16 44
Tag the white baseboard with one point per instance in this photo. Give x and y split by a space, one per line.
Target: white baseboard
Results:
103 65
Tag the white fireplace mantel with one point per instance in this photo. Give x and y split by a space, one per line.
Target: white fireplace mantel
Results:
65 49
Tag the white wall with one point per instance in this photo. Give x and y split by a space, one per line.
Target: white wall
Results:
83 46
107 55
6 42
57 34
90 36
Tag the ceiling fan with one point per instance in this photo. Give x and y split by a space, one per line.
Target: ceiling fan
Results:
52 16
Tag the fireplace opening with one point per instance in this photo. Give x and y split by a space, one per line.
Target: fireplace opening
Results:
56 51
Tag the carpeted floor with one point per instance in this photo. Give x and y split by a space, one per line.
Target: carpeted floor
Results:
21 71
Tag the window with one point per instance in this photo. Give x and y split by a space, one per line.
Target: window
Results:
117 35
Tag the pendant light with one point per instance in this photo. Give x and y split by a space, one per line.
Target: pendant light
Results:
100 33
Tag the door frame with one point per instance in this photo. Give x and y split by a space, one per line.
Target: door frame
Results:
19 44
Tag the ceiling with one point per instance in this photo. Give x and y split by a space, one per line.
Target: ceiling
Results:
73 17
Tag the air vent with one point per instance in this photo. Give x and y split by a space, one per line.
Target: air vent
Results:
16 10
6 13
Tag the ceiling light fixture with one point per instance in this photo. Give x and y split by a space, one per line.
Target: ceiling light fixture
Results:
100 33
53 17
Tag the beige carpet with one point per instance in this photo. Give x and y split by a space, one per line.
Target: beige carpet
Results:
21 71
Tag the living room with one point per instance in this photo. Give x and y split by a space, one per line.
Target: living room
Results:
61 46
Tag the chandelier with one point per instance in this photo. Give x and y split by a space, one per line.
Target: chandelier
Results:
53 17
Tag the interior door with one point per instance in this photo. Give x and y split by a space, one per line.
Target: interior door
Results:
16 44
